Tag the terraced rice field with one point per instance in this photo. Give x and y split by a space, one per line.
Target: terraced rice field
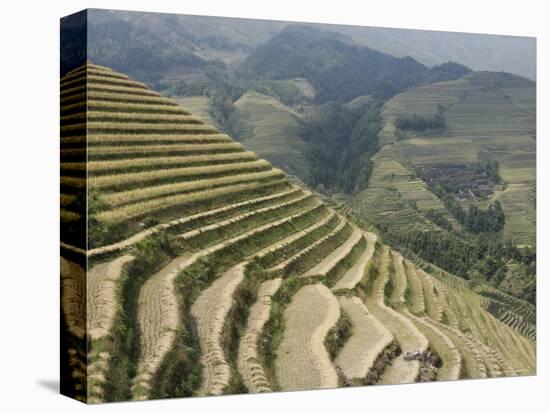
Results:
443 346
294 241
73 297
272 131
487 114
283 266
118 246
402 328
73 315
302 361
434 308
399 279
336 256
418 303
368 340
199 106
97 368
270 210
396 198
128 210
356 273
521 215
102 295
238 296
158 321
140 162
250 365
210 311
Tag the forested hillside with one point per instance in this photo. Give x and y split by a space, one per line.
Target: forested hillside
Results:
337 68
231 40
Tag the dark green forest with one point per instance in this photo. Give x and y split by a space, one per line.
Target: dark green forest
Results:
419 123
341 142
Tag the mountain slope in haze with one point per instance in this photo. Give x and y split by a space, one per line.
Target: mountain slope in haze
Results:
514 54
488 115
152 46
148 45
230 40
337 68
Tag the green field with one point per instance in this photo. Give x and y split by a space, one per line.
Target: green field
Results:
396 198
271 129
305 87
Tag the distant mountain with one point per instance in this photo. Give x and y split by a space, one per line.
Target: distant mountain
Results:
513 54
152 46
147 45
336 66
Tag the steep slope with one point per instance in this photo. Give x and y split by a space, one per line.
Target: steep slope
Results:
221 276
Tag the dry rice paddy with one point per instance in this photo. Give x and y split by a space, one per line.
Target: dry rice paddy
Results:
157 170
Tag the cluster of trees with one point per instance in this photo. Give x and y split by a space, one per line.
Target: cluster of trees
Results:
490 169
529 291
283 90
419 123
438 219
482 257
340 144
474 219
479 220
454 254
223 92
447 71
222 108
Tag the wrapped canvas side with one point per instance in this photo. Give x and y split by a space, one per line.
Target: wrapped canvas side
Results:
73 207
